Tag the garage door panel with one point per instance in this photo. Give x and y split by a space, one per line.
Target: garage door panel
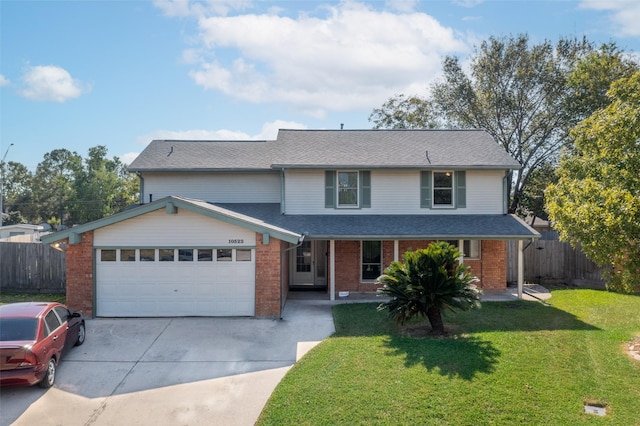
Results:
157 289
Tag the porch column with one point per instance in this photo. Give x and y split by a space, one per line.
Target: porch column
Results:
520 267
396 250
461 249
332 270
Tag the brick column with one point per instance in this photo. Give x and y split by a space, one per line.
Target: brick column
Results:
494 265
80 275
268 263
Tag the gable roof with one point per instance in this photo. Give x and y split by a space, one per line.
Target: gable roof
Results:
170 203
463 149
467 149
175 155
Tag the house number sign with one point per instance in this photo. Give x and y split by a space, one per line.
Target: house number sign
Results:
236 241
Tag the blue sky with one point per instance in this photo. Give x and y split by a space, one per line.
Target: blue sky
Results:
76 74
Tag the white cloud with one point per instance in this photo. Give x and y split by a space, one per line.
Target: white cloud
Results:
3 81
625 14
51 83
402 5
348 57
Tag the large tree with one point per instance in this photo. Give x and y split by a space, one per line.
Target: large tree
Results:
427 282
518 92
67 189
596 201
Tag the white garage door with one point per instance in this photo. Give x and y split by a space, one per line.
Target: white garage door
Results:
175 282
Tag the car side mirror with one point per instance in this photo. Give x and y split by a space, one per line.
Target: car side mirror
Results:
76 315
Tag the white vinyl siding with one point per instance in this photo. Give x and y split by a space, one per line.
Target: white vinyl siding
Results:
185 229
232 187
393 192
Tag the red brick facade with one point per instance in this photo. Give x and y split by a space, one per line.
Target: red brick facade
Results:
268 272
272 269
80 275
491 268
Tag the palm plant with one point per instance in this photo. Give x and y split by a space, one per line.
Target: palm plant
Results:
425 283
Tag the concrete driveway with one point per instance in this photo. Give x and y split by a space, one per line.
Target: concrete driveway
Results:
178 371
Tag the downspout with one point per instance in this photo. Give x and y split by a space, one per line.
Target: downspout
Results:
282 254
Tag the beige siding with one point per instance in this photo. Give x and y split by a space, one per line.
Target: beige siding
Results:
392 192
159 229
215 187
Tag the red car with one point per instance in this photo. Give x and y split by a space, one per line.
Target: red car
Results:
33 338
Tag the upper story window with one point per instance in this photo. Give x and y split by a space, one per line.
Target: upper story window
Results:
443 189
347 189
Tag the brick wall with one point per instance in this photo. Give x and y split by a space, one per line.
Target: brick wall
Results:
268 267
494 265
491 268
80 275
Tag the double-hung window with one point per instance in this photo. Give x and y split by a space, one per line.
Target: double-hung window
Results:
347 189
443 189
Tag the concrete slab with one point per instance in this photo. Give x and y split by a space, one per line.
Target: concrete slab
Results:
186 371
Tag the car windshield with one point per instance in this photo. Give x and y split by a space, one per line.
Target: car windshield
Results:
18 329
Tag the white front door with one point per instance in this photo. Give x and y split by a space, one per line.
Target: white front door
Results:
304 264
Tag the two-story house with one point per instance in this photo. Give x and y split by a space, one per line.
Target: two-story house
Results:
228 228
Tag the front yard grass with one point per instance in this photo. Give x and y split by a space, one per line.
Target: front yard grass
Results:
31 297
508 363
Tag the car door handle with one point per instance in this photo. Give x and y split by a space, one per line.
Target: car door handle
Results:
55 337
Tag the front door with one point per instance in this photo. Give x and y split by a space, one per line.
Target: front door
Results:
310 264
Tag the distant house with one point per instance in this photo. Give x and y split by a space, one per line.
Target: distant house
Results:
229 228
21 233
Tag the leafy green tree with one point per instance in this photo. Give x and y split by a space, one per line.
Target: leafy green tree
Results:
53 187
425 283
102 187
67 189
591 78
596 202
405 112
532 201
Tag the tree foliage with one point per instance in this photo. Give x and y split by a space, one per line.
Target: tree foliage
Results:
66 189
526 96
596 201
427 282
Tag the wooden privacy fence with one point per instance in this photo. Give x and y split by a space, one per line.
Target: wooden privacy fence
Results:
553 262
31 268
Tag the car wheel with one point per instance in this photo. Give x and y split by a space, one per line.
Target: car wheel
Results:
50 377
81 335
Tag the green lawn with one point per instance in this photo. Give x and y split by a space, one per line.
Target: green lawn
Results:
30 297
508 363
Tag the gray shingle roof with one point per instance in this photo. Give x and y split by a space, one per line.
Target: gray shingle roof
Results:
466 149
391 149
173 155
475 226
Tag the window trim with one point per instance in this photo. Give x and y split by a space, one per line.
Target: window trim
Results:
362 264
458 188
